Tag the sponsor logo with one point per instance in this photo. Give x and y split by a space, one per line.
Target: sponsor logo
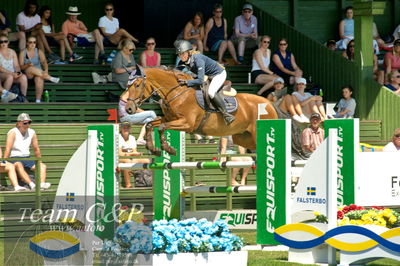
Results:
66 243
340 182
270 180
167 182
70 196
395 186
100 206
234 219
311 191
311 200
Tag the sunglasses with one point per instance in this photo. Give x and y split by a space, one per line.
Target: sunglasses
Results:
397 45
27 123
109 9
397 76
150 43
266 41
283 44
351 46
218 11
32 42
247 11
131 50
397 135
3 41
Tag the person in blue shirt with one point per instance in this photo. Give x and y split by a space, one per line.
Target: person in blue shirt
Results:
202 65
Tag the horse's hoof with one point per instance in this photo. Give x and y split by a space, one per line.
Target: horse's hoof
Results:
171 151
156 152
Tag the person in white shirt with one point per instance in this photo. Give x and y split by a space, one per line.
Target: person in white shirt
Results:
127 147
109 27
394 145
29 21
19 140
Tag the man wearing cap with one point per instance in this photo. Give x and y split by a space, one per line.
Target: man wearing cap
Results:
245 31
75 27
394 145
19 140
313 135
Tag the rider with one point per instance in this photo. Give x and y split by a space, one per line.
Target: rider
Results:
202 65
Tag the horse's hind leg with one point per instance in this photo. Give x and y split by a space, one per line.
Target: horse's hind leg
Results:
149 140
163 141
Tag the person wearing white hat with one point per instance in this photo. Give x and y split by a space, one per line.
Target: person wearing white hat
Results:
19 140
283 102
73 26
309 103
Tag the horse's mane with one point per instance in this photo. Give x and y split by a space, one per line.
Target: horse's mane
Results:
172 70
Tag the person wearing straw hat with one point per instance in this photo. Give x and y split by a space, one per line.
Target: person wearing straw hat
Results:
73 26
19 140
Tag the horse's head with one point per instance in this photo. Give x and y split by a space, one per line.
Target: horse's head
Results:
137 94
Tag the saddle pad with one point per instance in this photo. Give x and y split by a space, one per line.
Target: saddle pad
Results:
230 103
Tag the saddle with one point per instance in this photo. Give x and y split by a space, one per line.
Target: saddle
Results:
228 93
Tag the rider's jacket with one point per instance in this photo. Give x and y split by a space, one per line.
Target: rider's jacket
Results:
202 65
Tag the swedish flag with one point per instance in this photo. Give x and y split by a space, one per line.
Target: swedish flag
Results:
311 191
70 196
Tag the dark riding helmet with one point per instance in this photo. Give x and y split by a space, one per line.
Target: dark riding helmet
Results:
182 46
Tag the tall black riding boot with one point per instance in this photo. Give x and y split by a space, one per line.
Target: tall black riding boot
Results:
218 102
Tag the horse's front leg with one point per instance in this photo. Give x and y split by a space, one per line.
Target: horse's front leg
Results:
179 125
149 140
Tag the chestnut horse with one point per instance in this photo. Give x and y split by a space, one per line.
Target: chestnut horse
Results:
182 113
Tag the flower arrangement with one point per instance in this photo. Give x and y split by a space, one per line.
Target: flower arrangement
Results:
357 215
190 235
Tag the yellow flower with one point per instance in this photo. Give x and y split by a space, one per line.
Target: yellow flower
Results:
392 219
316 213
387 213
344 221
359 222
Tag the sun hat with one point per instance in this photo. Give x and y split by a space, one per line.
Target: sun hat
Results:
23 117
73 10
279 80
315 115
301 80
125 124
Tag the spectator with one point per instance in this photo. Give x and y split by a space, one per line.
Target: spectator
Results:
394 81
216 36
349 52
10 71
34 64
28 21
331 45
9 168
226 146
347 105
283 102
149 57
309 103
346 29
140 117
202 65
127 147
245 31
396 33
5 29
54 38
19 139
284 64
74 27
394 145
109 28
123 63
194 31
260 72
313 135
392 59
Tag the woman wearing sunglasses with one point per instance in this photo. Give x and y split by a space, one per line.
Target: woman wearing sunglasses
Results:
10 71
109 28
34 64
260 72
284 64
149 57
123 63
